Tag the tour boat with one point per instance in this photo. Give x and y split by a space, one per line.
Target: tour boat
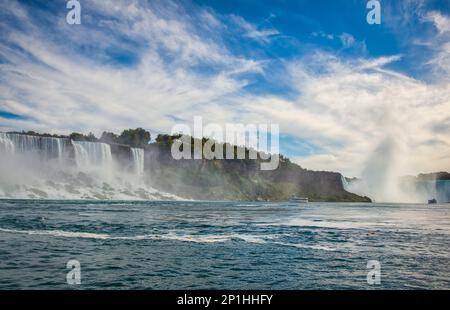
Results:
299 199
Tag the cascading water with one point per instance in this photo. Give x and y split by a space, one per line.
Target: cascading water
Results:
417 191
89 154
39 167
137 156
436 189
6 145
443 191
46 147
344 183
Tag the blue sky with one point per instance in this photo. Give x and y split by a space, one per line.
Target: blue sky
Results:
337 86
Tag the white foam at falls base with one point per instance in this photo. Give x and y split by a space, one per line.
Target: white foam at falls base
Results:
67 190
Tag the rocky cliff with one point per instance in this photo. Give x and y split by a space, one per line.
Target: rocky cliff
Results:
240 179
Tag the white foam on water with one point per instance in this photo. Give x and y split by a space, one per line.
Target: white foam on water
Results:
211 238
251 238
58 233
197 238
169 236
258 239
305 246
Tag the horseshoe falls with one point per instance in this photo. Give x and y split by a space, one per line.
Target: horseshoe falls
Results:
411 190
38 167
438 189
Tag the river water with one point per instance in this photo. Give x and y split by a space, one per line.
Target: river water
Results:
222 245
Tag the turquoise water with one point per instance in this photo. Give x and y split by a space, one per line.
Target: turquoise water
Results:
222 245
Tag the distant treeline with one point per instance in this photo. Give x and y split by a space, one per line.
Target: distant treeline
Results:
133 137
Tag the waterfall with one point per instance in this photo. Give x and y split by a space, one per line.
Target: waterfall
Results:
137 156
46 147
417 191
6 145
443 191
344 183
41 167
438 189
92 154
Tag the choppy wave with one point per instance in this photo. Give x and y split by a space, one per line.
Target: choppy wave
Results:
306 246
261 239
323 224
176 242
58 233
168 236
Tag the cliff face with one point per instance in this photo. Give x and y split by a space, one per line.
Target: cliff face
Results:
240 179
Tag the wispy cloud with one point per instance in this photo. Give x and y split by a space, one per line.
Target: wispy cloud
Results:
322 34
262 35
347 40
136 63
356 107
441 22
65 89
440 43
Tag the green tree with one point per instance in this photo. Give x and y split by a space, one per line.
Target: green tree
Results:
135 137
80 137
109 137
